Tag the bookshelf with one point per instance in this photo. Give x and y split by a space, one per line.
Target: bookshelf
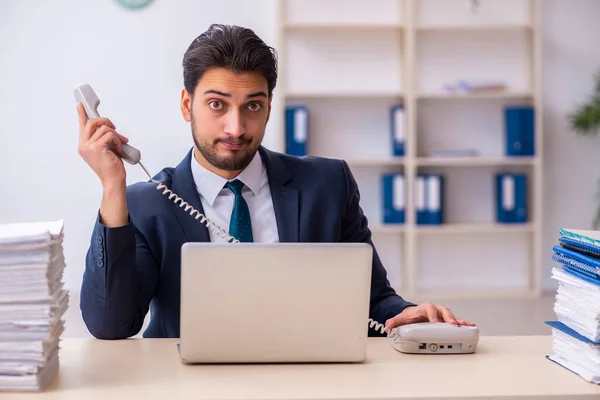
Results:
350 64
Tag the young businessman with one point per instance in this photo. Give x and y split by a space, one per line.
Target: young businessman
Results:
133 262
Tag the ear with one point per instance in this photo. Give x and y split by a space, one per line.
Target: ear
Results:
186 105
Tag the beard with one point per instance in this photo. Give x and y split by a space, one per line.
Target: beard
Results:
236 161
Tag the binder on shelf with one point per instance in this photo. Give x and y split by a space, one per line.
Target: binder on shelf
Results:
394 198
398 130
511 198
296 130
519 126
420 200
434 192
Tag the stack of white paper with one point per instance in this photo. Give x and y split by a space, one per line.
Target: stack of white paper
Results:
576 338
577 304
583 358
32 303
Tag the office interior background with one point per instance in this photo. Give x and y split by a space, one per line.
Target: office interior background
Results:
349 62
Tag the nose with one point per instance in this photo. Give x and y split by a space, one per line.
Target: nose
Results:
234 123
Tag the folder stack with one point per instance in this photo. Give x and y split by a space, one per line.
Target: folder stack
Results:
32 303
429 199
576 333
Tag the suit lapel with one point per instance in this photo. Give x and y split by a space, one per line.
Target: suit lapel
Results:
285 198
183 186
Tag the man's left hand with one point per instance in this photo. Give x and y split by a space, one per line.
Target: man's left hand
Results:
425 312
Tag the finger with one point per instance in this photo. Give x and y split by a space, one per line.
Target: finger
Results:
394 322
93 125
110 141
103 130
100 132
121 137
432 313
448 316
82 117
408 315
463 322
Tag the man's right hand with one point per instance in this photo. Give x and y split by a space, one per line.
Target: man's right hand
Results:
98 142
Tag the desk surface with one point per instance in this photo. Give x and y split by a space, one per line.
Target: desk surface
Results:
503 367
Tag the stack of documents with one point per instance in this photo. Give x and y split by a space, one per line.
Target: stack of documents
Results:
576 334
32 303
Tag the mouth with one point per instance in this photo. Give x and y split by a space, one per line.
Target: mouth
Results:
234 145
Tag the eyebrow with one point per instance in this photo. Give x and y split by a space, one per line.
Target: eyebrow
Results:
255 94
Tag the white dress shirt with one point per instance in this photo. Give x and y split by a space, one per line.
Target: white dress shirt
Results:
217 200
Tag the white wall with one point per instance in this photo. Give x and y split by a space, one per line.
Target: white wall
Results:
133 60
571 166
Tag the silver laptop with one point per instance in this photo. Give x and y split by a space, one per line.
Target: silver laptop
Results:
283 302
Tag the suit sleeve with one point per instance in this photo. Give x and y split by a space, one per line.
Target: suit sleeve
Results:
385 302
119 281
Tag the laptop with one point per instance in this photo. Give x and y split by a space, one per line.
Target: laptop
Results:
274 303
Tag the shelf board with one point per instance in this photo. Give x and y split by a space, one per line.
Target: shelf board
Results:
375 162
341 95
475 27
475 161
387 228
442 295
455 228
340 26
495 94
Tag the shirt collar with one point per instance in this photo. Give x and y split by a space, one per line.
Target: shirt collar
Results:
209 184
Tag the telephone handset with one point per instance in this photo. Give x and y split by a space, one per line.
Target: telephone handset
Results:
86 95
432 338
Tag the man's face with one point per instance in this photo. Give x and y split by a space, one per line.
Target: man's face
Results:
228 115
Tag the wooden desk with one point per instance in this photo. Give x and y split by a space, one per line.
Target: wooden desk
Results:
503 367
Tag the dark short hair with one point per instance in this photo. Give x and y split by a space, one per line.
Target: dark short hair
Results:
228 46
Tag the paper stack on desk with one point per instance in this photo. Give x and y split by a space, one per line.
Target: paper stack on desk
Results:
576 334
32 303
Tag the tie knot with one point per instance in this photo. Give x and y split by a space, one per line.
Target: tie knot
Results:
235 186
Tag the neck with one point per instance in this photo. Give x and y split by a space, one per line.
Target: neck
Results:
221 172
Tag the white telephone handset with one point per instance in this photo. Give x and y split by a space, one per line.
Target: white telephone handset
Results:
86 96
427 338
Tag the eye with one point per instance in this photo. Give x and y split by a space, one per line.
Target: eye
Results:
215 105
254 106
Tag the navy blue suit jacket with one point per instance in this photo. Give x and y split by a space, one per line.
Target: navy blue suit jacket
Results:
137 266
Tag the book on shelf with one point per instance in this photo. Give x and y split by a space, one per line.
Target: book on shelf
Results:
463 86
519 131
429 199
394 198
511 198
296 130
397 130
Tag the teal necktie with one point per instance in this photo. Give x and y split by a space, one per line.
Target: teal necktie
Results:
240 226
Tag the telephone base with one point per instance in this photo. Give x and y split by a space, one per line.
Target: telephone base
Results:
435 338
409 347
